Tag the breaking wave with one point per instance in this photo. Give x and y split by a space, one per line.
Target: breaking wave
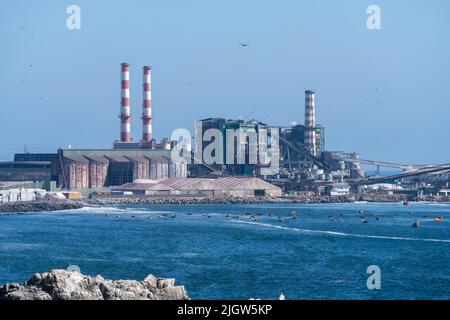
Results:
335 233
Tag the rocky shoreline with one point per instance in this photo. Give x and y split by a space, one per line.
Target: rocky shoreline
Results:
72 285
202 201
37 206
58 205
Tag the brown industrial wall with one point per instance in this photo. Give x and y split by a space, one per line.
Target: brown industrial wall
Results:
76 174
98 174
158 170
140 170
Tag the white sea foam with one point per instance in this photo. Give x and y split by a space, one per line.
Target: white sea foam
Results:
117 210
334 233
20 246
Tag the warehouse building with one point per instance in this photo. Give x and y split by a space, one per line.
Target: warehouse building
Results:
193 186
241 187
100 168
247 187
25 171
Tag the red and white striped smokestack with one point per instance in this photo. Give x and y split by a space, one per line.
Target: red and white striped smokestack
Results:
147 134
310 122
125 132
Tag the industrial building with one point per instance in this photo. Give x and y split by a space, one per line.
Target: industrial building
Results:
95 169
203 187
300 146
127 161
304 163
25 171
246 127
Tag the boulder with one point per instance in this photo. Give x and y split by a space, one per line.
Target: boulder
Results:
71 285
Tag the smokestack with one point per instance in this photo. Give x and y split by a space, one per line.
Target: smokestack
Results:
310 122
147 133
125 135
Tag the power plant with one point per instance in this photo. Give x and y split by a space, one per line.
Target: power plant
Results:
304 163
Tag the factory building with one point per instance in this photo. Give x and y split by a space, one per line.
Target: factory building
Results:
39 157
242 187
248 129
297 134
25 171
192 186
247 187
301 150
96 169
297 145
93 169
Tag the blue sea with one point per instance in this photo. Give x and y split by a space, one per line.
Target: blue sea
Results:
217 257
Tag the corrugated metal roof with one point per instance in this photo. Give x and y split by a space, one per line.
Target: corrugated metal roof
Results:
158 159
100 159
134 186
179 182
118 159
138 158
230 182
142 186
160 186
26 162
77 159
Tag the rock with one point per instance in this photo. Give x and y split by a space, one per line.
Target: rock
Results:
71 285
36 206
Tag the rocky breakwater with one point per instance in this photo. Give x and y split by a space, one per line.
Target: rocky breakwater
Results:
72 285
37 206
99 201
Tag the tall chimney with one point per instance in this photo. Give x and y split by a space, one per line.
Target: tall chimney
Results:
125 135
310 122
147 133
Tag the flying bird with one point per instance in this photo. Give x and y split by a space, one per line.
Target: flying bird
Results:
243 44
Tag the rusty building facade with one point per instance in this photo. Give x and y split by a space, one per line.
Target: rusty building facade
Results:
102 168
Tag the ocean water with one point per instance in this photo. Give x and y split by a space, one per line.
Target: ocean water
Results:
217 257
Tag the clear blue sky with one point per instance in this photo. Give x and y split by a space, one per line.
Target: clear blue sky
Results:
71 94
